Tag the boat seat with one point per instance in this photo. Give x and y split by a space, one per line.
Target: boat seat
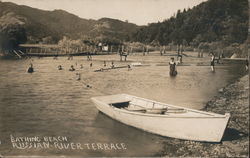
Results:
138 108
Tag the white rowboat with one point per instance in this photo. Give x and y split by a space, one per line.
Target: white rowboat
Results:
163 119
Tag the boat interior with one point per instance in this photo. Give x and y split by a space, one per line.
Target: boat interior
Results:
145 106
140 105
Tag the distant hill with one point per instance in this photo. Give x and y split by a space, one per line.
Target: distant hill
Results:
58 23
210 21
114 28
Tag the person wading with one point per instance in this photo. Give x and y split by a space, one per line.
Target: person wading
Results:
172 66
247 64
212 62
112 65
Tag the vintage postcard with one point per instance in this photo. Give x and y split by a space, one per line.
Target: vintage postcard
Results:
124 78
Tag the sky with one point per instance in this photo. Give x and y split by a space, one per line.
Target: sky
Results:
140 12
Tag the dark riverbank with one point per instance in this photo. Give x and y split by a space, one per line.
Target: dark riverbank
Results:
233 99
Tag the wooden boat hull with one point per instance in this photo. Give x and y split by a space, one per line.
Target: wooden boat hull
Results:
209 129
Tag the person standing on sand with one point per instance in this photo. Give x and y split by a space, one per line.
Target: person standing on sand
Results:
89 57
212 62
201 55
172 66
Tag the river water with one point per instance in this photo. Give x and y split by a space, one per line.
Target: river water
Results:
54 103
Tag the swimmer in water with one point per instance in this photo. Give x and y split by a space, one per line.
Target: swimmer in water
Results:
60 67
112 65
31 69
79 76
88 86
129 68
72 68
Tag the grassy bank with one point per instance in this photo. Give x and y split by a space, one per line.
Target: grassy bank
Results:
233 99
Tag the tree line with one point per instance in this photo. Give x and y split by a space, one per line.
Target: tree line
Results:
224 21
211 21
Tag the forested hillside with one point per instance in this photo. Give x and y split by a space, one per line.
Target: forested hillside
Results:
211 21
221 21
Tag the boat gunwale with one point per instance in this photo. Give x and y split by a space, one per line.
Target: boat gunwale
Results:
164 115
209 115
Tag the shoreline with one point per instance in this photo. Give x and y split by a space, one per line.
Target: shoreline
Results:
232 99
